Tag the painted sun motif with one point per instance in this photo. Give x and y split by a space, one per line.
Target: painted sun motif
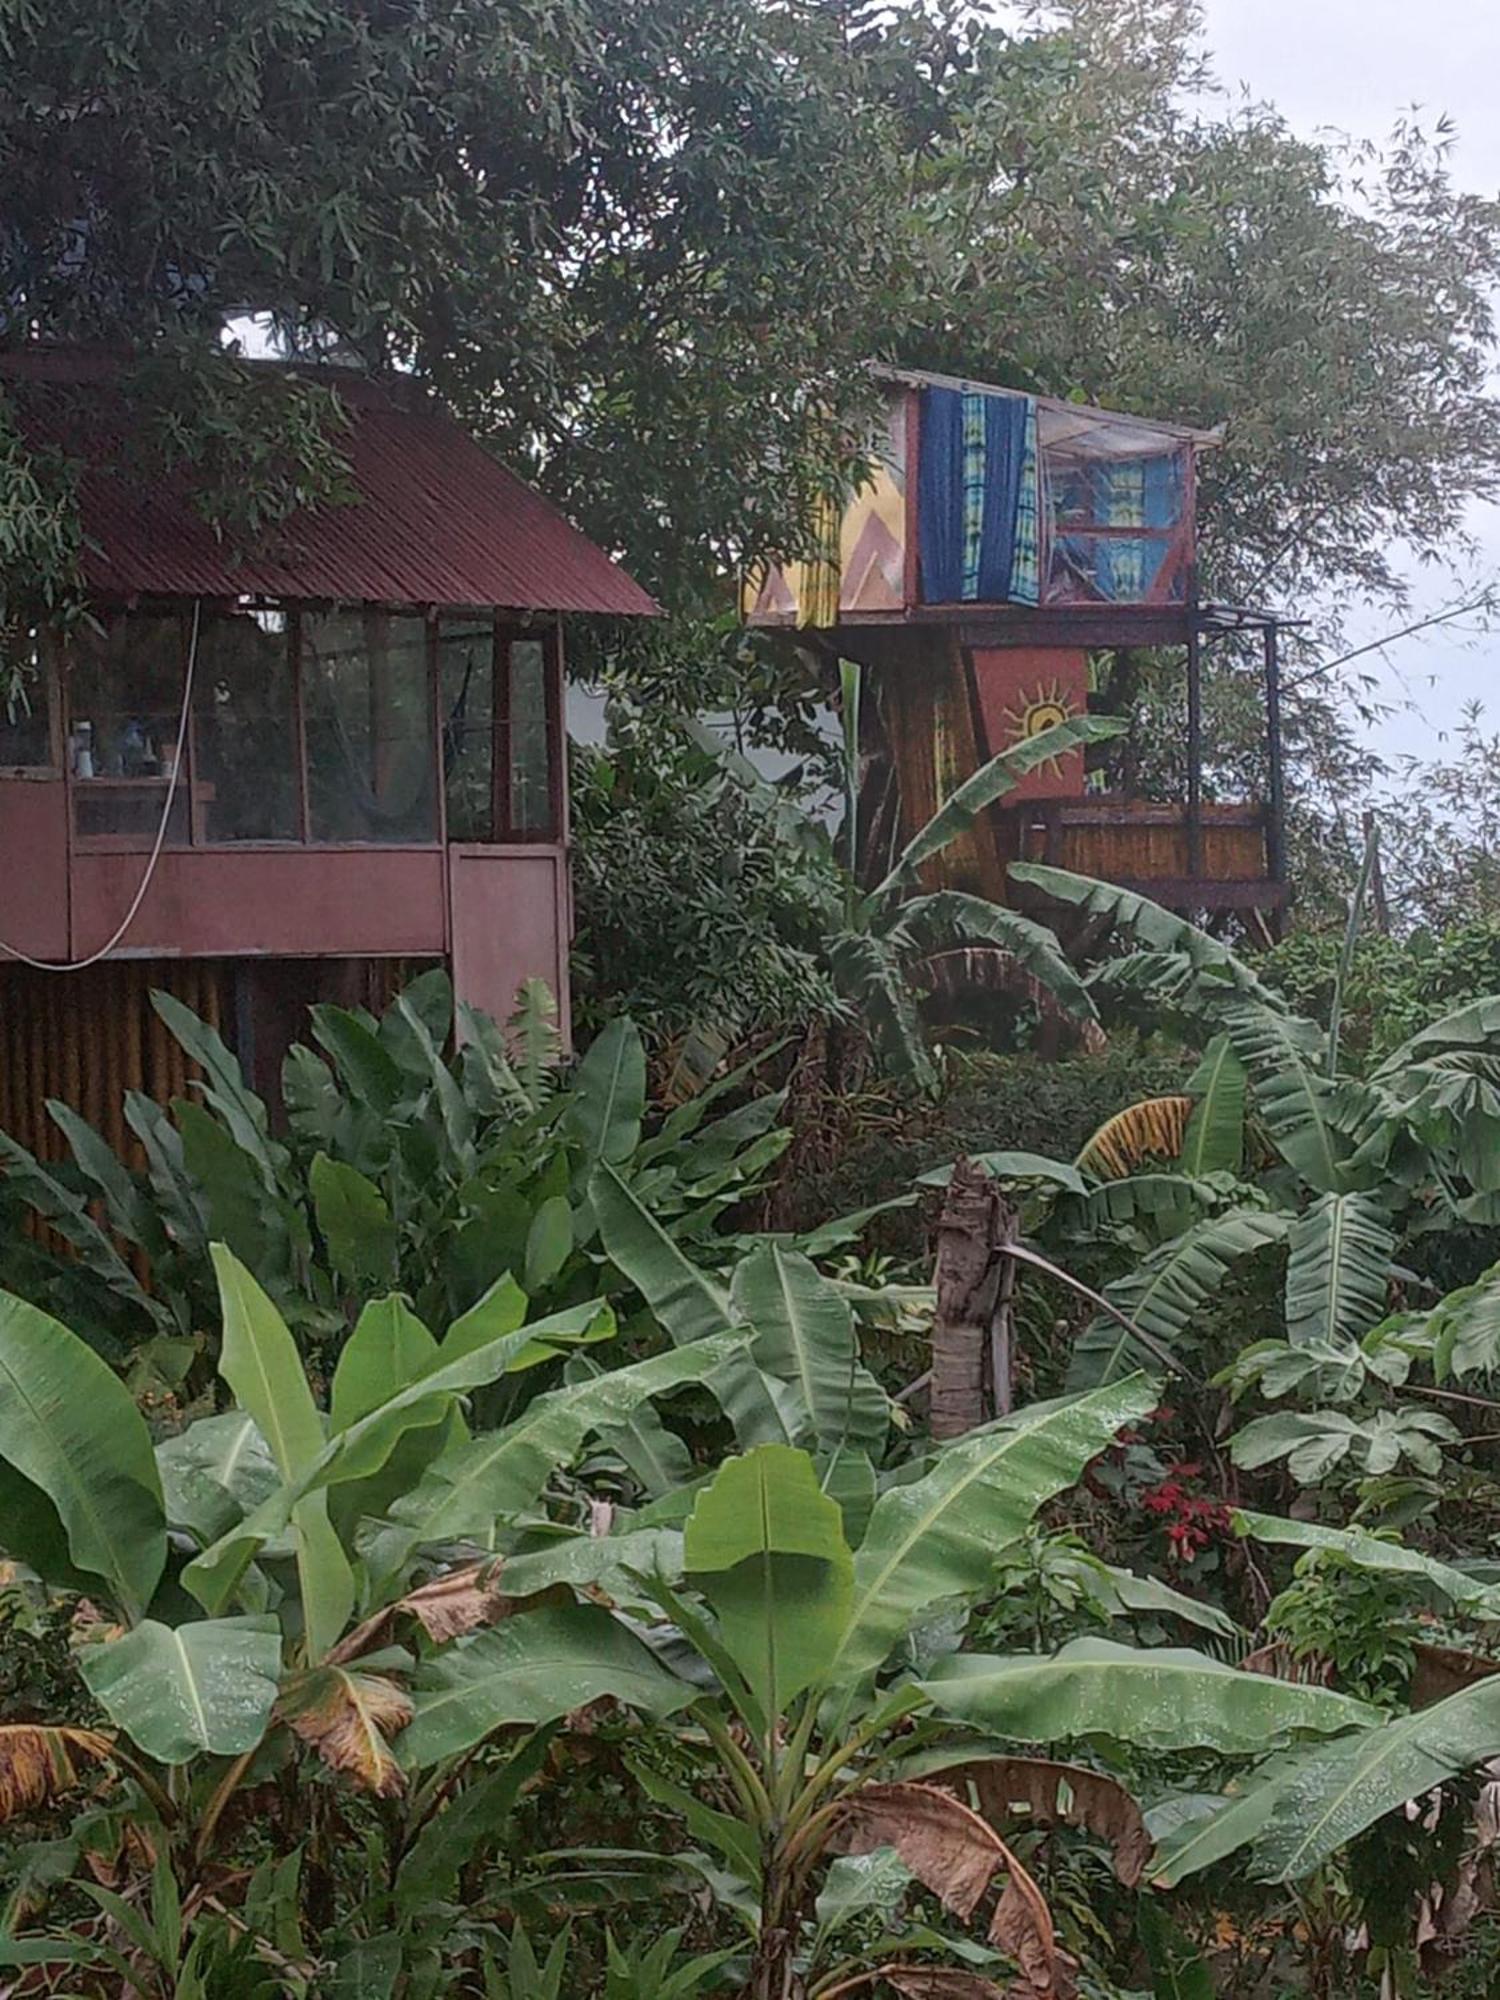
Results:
1038 708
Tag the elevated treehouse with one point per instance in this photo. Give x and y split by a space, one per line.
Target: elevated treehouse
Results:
1007 557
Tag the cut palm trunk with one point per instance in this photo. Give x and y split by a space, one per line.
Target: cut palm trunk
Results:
972 1230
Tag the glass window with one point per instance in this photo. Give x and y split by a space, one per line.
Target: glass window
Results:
466 652
367 706
530 739
25 702
244 731
125 703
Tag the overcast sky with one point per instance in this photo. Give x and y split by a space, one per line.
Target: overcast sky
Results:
1354 65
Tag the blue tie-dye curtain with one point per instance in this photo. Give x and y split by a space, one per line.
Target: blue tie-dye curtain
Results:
976 488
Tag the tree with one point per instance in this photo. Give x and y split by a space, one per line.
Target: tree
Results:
620 237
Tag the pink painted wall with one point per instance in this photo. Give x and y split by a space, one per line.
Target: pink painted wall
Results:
321 902
34 866
511 922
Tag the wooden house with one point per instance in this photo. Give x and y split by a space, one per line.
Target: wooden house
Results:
259 779
996 573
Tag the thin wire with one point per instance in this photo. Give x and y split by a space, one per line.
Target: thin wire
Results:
79 964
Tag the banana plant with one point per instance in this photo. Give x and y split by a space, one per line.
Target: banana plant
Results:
262 1585
828 1761
402 1166
1356 1165
892 938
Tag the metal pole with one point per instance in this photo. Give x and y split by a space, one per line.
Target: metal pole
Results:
1194 756
1275 779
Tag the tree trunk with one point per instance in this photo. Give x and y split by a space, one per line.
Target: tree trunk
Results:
969 1233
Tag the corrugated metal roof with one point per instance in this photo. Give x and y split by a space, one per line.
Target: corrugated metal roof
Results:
1081 414
438 521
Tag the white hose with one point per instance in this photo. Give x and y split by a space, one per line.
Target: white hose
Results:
78 964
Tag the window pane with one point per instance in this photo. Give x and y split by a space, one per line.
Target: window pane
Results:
25 705
125 701
367 704
245 739
466 649
530 784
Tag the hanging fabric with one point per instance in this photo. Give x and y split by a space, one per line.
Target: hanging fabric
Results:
977 519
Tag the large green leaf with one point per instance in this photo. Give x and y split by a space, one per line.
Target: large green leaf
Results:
1464 1328
1164 1293
1013 1166
1215 1139
1375 1552
214 1473
365 1445
180 1691
223 1085
1338 1270
69 1427
990 782
1296 1102
951 915
688 1303
531 1669
68 1212
368 1070
1309 1806
132 1214
486 1479
1315 1442
387 1351
259 1361
1158 929
1163 1698
608 1099
870 976
355 1221
1155 1205
805 1335
765 1546
1473 1029
938 1537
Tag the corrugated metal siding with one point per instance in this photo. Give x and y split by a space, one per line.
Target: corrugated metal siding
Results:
91 1037
439 521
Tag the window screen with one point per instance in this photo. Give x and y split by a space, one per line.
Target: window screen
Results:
125 704
530 739
25 702
245 783
367 705
466 653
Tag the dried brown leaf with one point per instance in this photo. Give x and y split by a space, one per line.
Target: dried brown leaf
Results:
450 1606
446 1608
1054 1794
1154 1129
1022 1928
956 1854
347 1717
38 1763
939 1982
945 1844
1444 1670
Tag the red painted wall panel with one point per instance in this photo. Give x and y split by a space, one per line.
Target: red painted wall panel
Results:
1022 689
34 866
320 902
510 923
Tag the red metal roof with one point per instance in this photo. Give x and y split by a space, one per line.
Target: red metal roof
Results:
438 521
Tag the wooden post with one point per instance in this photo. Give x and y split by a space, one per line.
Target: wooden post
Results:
1194 756
1275 779
1378 899
965 1277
